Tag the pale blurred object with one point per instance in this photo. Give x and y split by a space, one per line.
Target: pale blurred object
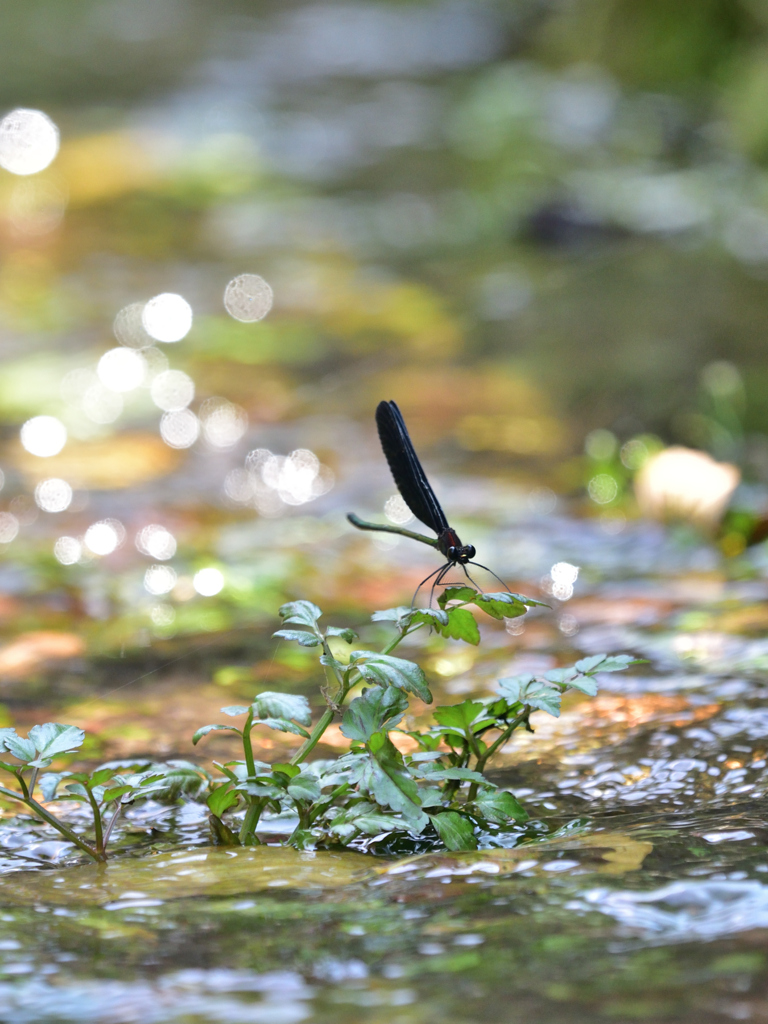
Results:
67 550
29 141
270 482
122 369
167 317
43 436
53 495
685 484
248 298
128 327
563 575
180 429
602 488
157 542
9 527
208 582
104 537
397 511
172 390
224 423
36 207
159 579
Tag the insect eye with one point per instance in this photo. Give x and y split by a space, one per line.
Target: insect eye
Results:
471 551
451 551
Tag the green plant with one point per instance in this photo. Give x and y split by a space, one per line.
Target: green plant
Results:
374 788
105 791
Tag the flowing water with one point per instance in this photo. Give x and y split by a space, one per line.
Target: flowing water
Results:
519 229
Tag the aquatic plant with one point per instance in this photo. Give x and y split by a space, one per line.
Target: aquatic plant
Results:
375 788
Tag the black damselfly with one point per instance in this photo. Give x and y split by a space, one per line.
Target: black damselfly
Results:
418 495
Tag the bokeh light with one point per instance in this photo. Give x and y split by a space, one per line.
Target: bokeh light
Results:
562 577
68 550
167 317
128 328
104 537
157 542
9 527
172 390
43 436
121 369
224 423
602 488
29 141
248 298
397 511
159 579
269 482
208 582
180 429
53 495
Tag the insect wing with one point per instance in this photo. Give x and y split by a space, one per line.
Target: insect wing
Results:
406 469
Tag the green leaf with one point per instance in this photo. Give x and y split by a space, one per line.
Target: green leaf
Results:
304 787
534 692
286 769
384 670
221 799
102 775
54 738
282 705
305 639
205 729
460 716
401 616
23 749
430 616
461 626
500 807
346 634
49 783
500 606
301 613
5 732
386 778
606 663
283 725
372 824
458 592
456 831
437 772
370 712
115 793
233 710
77 789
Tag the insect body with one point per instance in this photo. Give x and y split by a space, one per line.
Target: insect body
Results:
418 495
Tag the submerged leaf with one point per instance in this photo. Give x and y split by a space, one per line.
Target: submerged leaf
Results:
500 807
456 831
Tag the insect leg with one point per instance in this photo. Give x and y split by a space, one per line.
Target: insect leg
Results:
445 569
425 580
501 581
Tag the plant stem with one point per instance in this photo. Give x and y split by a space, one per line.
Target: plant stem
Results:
498 742
97 828
110 825
248 746
33 780
361 524
248 835
41 812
